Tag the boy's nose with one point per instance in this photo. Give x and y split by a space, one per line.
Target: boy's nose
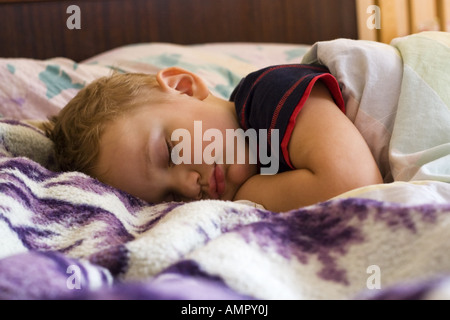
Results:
188 185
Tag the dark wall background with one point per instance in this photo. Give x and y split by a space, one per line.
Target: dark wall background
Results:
37 29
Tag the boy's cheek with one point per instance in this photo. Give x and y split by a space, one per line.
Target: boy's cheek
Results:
239 174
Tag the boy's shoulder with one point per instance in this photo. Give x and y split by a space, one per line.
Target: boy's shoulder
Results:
279 75
277 91
271 98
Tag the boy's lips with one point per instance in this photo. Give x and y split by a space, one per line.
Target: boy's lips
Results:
217 182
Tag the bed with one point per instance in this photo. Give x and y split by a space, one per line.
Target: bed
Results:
68 236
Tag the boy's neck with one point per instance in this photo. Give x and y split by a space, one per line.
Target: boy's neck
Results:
225 104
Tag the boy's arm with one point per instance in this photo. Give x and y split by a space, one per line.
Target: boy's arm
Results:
329 154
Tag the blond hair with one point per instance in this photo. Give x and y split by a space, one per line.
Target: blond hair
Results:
77 129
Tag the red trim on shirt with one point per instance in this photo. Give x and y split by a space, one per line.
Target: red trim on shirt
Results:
242 115
280 105
333 87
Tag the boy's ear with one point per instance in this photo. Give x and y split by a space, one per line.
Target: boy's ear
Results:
183 81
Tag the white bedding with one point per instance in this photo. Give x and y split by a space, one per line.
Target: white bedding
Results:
398 97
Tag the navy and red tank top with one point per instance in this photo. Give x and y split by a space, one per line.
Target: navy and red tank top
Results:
271 98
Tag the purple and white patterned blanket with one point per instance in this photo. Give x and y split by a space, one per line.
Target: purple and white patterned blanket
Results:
67 236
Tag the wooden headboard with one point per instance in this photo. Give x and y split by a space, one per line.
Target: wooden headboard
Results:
38 28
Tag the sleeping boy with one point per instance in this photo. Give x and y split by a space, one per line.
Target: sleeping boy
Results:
147 135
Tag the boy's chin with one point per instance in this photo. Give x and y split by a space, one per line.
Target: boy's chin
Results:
229 193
